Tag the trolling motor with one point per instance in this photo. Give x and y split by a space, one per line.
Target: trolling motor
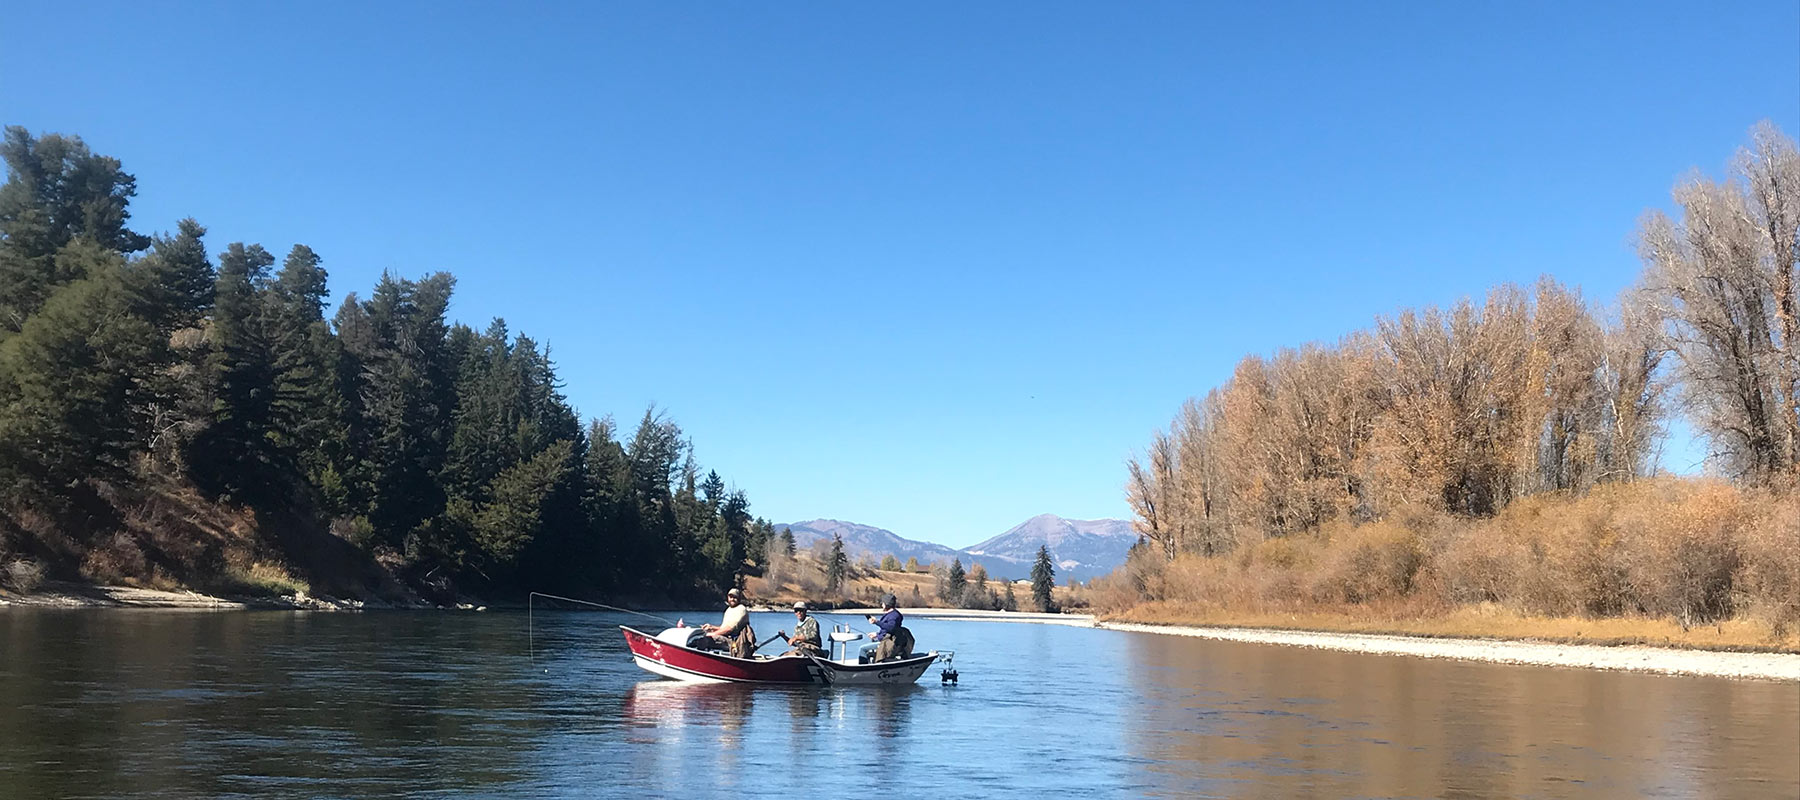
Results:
949 674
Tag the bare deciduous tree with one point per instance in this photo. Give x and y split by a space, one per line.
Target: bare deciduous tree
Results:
1724 278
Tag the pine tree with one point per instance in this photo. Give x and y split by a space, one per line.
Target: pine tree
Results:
955 582
787 541
406 399
72 381
757 545
835 565
609 503
514 516
1043 580
1010 602
307 402
56 192
889 563
180 277
713 490
176 282
236 454
734 517
976 594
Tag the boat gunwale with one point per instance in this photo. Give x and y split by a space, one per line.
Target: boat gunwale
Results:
707 653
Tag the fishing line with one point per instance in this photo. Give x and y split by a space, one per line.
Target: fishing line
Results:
531 622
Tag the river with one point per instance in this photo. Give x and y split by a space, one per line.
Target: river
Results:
277 704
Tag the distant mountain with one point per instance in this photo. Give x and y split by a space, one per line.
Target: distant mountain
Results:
867 540
1082 549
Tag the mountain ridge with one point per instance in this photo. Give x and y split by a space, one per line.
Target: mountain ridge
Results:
1082 549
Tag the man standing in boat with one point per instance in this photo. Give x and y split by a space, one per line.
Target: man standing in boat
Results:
734 629
895 640
806 639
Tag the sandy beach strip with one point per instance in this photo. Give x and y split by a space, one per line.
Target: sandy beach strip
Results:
1666 660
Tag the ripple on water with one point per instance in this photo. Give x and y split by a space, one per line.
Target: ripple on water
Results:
433 705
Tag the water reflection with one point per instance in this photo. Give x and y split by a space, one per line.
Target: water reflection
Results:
99 704
658 702
1240 719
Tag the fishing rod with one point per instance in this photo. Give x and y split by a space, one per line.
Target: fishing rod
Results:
531 622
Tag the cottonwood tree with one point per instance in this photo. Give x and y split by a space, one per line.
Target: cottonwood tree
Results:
1725 276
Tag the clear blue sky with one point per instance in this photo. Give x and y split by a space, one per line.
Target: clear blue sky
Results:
932 267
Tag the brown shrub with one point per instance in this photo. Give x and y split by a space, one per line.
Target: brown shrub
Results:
117 560
1571 554
1681 557
1685 550
1483 564
1282 553
1200 580
1369 562
1772 565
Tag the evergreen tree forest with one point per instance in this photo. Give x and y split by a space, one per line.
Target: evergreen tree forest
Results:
172 410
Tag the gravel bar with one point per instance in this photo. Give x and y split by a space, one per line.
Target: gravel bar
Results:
1632 658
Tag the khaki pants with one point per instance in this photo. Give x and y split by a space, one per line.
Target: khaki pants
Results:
897 646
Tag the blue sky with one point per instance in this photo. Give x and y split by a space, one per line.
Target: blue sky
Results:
932 267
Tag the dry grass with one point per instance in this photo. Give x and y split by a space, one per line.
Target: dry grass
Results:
164 535
263 580
1482 621
1691 563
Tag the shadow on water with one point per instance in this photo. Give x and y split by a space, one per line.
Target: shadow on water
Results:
147 704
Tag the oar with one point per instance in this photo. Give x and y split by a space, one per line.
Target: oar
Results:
765 642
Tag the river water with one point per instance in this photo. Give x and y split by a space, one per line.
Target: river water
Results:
277 704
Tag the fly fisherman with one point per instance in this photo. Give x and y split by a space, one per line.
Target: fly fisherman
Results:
734 629
896 641
806 640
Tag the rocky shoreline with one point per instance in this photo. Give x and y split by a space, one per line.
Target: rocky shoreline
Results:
1783 667
72 595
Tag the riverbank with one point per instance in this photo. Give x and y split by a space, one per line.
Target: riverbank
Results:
1603 655
76 595
1630 658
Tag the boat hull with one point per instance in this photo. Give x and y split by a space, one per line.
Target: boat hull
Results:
661 656
883 673
687 664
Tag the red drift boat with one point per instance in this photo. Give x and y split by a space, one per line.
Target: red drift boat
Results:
687 654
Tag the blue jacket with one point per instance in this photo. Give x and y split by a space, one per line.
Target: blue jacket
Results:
888 623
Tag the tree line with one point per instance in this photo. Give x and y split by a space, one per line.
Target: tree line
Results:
1464 410
129 362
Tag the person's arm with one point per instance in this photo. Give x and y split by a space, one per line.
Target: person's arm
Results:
888 623
732 626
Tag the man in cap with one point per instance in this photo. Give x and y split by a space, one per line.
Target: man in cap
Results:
806 639
734 629
895 641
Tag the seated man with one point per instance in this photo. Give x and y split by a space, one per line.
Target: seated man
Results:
895 640
734 629
806 639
